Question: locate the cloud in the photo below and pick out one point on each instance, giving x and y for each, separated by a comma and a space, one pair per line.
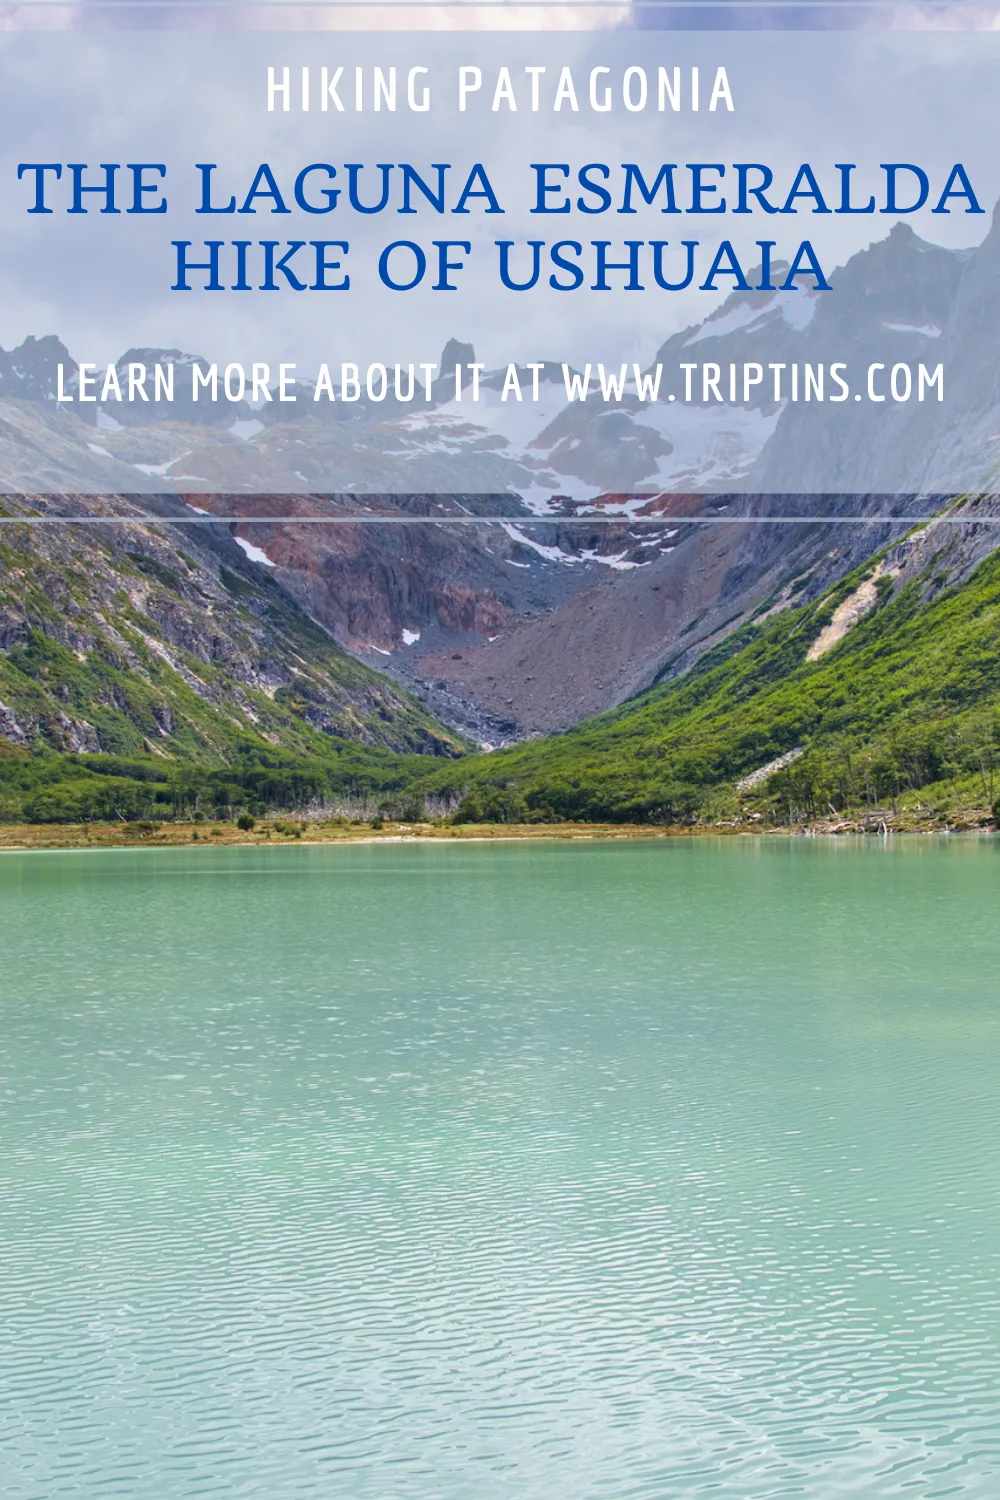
953, 16
104, 284
424, 15
30, 17
388, 16
384, 16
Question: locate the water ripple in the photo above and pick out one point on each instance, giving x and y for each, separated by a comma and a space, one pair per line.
615, 1171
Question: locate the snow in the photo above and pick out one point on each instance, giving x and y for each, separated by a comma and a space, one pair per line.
159, 470
410, 637
551, 554
797, 308
555, 554
379, 650
711, 445
197, 508
654, 541
108, 424
619, 562
255, 554
96, 448
629, 508
740, 316
540, 499
928, 330
519, 422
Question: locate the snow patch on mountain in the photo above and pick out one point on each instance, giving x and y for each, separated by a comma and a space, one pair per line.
255, 554
928, 330
797, 308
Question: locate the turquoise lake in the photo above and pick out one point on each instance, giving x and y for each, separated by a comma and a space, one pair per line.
467, 1172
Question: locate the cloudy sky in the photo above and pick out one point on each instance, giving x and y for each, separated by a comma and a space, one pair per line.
921, 92
503, 15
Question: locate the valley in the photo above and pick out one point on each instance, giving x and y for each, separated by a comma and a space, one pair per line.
547, 644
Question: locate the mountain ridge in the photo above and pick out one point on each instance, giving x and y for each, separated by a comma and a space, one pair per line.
124, 638
554, 608
878, 700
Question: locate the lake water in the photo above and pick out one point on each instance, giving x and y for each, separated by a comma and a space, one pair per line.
529, 1170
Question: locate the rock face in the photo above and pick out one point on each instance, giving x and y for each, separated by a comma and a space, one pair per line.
961, 433
30, 371
395, 594
893, 303
577, 592
124, 638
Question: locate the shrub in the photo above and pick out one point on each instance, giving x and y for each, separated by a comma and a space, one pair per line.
245, 823
492, 805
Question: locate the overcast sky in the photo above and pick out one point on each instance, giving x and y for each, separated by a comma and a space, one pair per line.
102, 283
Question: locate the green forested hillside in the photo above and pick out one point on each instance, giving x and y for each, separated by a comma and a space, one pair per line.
909, 699
904, 708
45, 786
149, 672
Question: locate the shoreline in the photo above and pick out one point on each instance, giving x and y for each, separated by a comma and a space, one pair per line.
54, 837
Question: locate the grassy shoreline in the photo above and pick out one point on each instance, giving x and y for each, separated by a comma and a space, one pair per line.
56, 836
204, 835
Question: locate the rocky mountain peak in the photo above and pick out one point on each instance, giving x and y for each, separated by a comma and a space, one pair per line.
30, 372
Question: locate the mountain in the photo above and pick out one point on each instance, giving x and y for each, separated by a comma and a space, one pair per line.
127, 639
876, 704
621, 557
963, 450
884, 690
